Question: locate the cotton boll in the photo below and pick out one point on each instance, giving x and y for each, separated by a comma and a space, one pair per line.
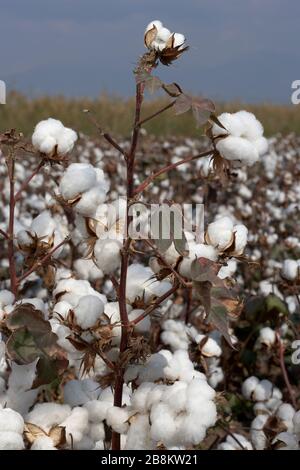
97, 410
11, 441
229, 270
90, 200
138, 436
237, 442
240, 239
179, 40
258, 437
220, 233
61, 309
252, 128
290, 269
249, 386
162, 419
97, 432
11, 421
46, 415
88, 311
290, 440
143, 326
6, 298
107, 255
117, 418
158, 24
43, 443
296, 422
140, 283
78, 178
87, 270
286, 413
232, 124
210, 348
76, 425
261, 145
174, 334
263, 391
238, 149
267, 336
65, 141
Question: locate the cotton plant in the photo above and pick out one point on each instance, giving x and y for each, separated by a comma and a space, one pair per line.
133, 333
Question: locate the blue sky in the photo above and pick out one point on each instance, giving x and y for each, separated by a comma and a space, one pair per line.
244, 49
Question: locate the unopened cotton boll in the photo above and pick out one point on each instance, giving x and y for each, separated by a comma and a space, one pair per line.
88, 311
290, 269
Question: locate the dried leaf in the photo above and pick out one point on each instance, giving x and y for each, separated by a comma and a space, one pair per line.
32, 432
58, 435
183, 104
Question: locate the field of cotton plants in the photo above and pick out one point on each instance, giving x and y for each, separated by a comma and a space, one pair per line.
126, 321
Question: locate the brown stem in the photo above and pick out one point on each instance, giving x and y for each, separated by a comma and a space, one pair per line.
167, 168
284, 371
106, 135
155, 304
10, 232
130, 160
4, 234
40, 262
18, 195
157, 113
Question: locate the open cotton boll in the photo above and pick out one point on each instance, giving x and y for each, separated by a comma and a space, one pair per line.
6, 298
232, 124
238, 149
252, 128
152, 370
140, 283
76, 425
107, 254
267, 336
138, 436
78, 178
11, 441
290, 269
240, 238
248, 387
158, 24
97, 410
11, 421
179, 40
51, 134
235, 442
46, 415
174, 334
229, 270
263, 391
196, 251
258, 437
87, 270
88, 311
43, 443
180, 367
296, 422
90, 200
71, 290
290, 440
286, 413
220, 233
117, 418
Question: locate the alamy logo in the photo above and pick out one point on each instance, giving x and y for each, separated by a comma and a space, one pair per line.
2, 92
295, 98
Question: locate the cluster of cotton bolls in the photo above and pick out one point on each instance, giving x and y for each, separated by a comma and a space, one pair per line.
176, 414
163, 38
52, 137
241, 139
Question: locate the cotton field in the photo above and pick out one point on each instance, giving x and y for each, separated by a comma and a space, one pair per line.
109, 341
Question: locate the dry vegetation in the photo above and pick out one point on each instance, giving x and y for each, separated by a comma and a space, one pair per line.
23, 113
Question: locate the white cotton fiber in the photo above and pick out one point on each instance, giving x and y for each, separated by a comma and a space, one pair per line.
88, 311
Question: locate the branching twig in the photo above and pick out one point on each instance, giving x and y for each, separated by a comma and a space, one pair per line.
167, 168
106, 135
40, 262
18, 195
157, 113
284, 371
